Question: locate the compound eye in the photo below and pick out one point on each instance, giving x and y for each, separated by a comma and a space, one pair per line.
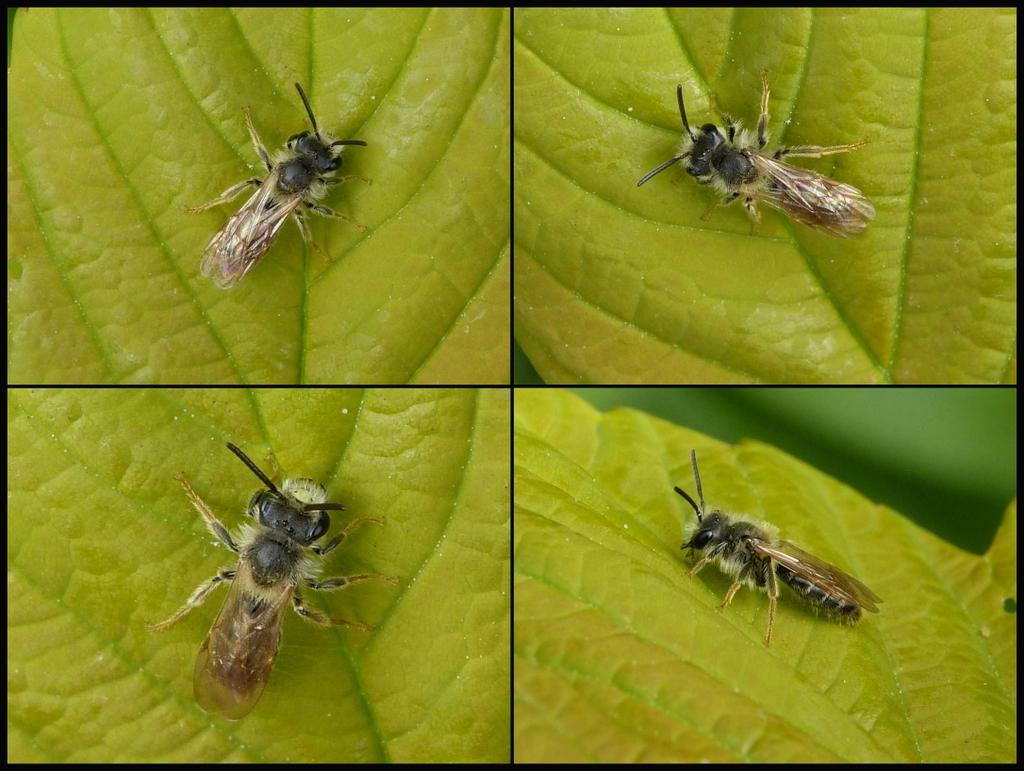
709, 128
304, 143
703, 538
318, 528
327, 162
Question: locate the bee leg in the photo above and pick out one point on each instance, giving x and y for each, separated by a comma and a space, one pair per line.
762, 121
226, 196
724, 202
300, 220
752, 209
340, 581
339, 180
256, 141
731, 593
319, 618
773, 593
700, 564
324, 550
194, 601
814, 151
275, 470
323, 211
208, 516
730, 126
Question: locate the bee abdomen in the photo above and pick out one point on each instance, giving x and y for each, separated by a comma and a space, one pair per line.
818, 596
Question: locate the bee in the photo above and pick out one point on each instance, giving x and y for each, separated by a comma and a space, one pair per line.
297, 177
737, 168
753, 555
235, 659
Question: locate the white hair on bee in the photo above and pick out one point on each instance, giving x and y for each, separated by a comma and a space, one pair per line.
736, 166
298, 176
751, 553
278, 558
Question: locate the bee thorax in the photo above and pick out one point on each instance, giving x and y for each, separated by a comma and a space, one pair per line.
271, 559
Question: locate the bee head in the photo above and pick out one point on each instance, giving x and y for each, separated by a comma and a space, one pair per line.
707, 140
697, 148
707, 531
283, 511
312, 150
299, 509
709, 526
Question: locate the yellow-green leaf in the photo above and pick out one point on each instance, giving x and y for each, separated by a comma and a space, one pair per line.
621, 656
121, 118
102, 541
619, 284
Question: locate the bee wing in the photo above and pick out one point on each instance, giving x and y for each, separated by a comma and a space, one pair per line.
246, 237
824, 574
235, 659
812, 199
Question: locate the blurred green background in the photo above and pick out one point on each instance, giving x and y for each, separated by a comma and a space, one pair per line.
944, 457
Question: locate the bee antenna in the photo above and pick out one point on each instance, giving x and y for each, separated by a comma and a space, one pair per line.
661, 168
359, 142
252, 466
323, 507
682, 112
696, 479
689, 133
689, 500
309, 110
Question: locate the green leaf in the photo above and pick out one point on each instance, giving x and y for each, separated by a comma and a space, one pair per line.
931, 454
616, 284
121, 118
101, 541
620, 655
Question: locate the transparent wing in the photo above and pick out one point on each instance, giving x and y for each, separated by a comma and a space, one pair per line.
811, 199
823, 574
246, 237
235, 659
